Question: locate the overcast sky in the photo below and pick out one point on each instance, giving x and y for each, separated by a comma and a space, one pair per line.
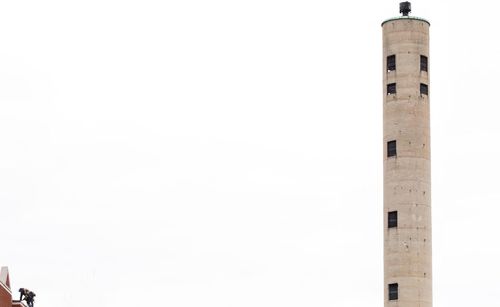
229, 153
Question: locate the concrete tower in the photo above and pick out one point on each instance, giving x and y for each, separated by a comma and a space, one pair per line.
407, 162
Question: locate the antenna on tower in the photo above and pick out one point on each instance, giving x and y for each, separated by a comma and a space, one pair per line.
405, 8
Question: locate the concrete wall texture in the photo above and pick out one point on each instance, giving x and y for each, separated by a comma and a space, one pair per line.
407, 174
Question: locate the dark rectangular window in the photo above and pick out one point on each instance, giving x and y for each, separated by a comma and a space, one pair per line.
393, 292
392, 219
391, 149
424, 89
391, 88
391, 62
423, 63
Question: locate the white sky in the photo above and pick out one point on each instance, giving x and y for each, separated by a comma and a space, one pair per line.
229, 153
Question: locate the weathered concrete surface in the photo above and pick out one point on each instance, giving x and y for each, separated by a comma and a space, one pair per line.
407, 177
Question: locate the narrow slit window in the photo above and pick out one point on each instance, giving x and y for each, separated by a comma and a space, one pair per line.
393, 292
423, 63
392, 219
424, 89
391, 149
391, 62
391, 88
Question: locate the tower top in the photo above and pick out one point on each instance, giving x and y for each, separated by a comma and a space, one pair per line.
405, 8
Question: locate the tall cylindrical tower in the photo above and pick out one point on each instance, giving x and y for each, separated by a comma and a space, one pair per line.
407, 162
